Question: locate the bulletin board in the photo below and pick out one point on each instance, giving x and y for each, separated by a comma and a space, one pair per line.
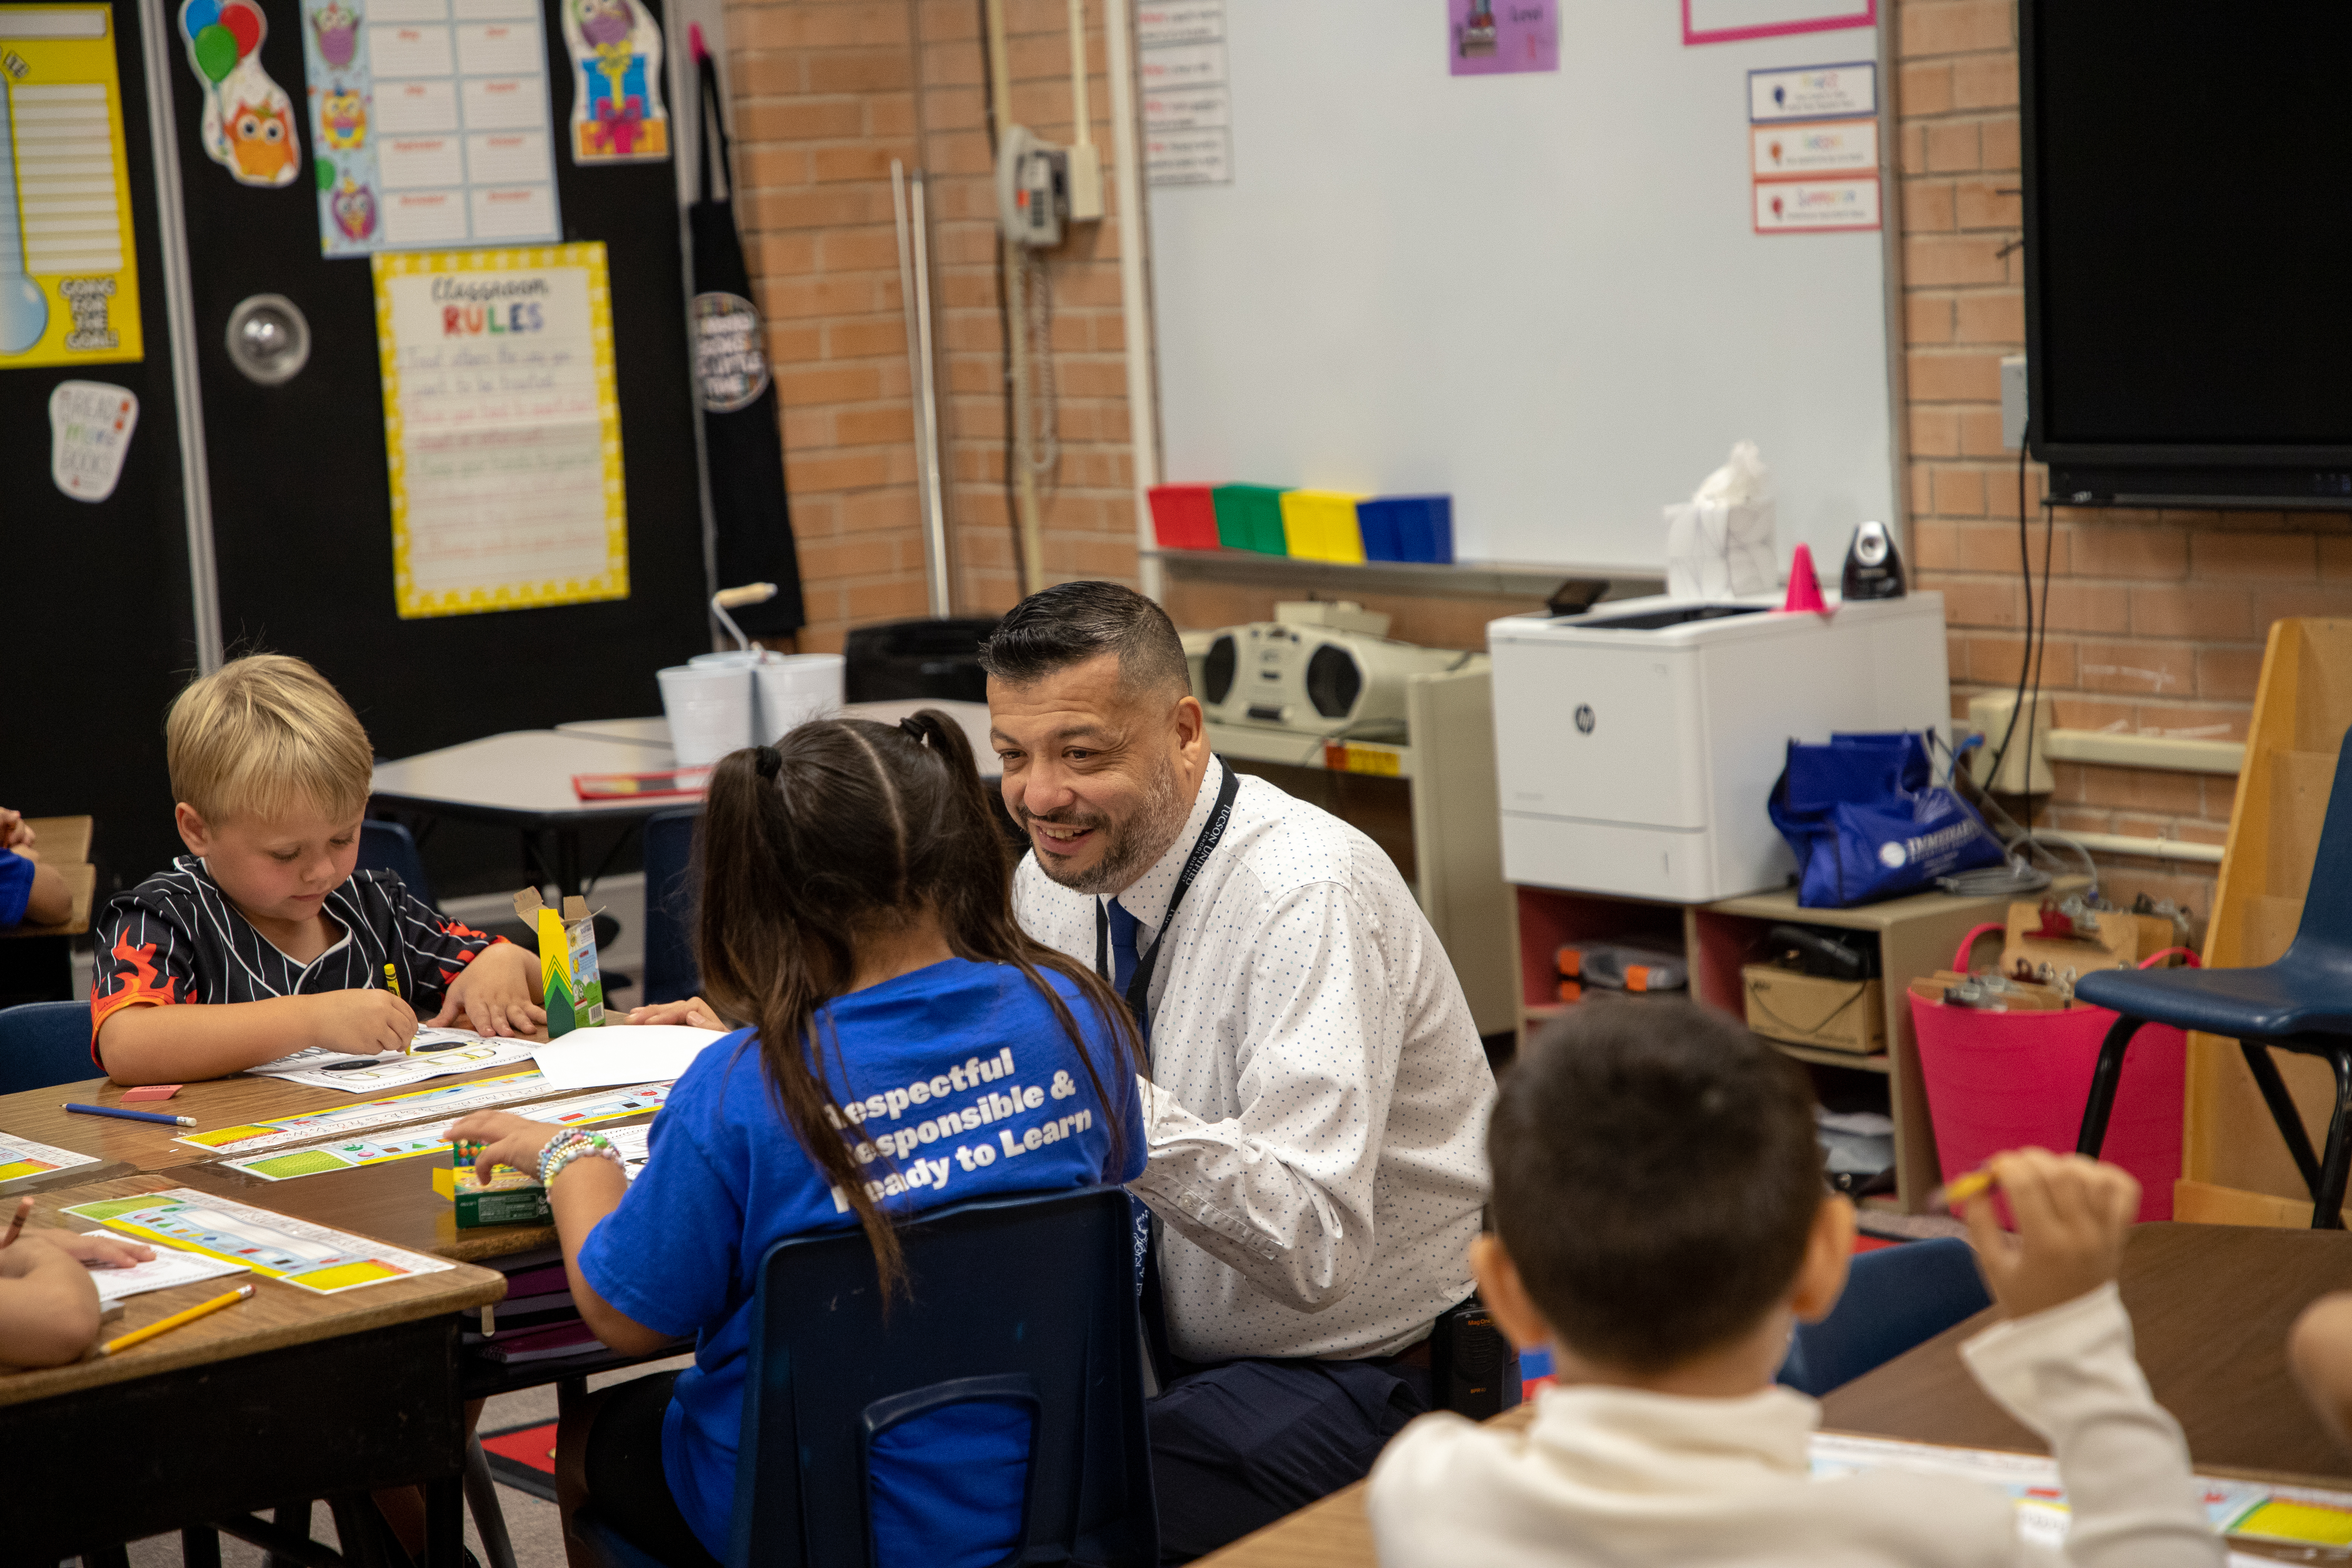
301, 485
100, 565
1544, 291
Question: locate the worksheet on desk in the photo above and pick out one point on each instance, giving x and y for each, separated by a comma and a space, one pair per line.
169, 1266
2243, 1510
271, 1245
433, 1137
21, 1157
443, 1052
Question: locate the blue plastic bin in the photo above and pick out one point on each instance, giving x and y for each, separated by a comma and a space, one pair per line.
1407, 528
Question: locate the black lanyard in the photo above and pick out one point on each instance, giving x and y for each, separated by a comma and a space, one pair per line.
1138, 985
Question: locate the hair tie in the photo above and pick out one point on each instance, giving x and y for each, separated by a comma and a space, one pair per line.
917, 729
769, 760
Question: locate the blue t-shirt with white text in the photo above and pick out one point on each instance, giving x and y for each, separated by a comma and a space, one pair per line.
965, 1086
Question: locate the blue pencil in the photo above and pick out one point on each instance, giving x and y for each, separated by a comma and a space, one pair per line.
132, 1115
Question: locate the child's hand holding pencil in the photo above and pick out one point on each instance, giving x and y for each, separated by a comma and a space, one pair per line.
2071, 1213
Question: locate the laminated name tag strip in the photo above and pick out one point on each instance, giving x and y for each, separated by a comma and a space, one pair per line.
433, 1138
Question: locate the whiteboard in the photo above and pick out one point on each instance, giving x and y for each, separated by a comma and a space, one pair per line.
1540, 292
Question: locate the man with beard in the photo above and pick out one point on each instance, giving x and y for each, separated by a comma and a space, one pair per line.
1319, 1101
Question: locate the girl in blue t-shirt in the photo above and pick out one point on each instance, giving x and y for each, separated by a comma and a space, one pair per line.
908, 1046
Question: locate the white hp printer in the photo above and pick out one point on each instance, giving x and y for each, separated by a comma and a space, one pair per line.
1636, 744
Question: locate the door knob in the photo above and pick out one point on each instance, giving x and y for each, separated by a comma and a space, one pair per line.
269, 340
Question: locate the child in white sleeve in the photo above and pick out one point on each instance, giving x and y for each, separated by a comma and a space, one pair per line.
1663, 1224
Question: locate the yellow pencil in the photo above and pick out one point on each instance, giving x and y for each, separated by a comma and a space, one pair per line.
1963, 1188
392, 980
204, 1310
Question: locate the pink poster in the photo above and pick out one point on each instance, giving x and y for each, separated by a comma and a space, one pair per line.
1490, 38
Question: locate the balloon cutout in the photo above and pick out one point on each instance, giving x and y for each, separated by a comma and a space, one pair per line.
215, 52
249, 121
244, 24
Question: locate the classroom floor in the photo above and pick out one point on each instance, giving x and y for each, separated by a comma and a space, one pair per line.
530, 1523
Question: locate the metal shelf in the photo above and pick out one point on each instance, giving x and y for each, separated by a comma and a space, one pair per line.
1502, 579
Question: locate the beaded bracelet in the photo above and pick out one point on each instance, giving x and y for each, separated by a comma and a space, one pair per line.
566, 1147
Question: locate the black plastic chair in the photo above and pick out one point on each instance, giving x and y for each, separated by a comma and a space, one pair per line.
1896, 1298
389, 846
670, 893
2302, 1002
1021, 1302
43, 1043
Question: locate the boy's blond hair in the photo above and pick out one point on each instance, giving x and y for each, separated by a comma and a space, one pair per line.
264, 735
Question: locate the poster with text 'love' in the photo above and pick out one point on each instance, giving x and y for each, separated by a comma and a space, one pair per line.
68, 281
502, 432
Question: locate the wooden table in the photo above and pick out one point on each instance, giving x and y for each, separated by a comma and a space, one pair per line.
2209, 1305
288, 1395
394, 1202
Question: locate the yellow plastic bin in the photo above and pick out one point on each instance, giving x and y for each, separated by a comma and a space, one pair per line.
1320, 525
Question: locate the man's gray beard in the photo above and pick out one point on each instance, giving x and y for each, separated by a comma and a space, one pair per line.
1135, 844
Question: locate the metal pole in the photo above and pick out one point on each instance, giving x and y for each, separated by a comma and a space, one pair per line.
1135, 289
180, 313
914, 295
938, 557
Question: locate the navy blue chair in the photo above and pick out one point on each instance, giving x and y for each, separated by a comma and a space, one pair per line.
43, 1043
389, 846
1896, 1298
671, 889
2302, 1004
1026, 1306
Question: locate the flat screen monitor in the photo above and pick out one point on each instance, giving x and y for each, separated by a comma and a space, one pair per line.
2188, 213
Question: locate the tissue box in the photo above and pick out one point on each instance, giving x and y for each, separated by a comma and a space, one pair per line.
1183, 517
1719, 551
1320, 525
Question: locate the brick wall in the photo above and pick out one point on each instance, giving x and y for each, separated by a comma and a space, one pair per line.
2155, 619
825, 94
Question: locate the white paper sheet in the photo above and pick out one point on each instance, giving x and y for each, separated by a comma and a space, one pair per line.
21, 1157
387, 1072
169, 1266
621, 1054
634, 1143
311, 1256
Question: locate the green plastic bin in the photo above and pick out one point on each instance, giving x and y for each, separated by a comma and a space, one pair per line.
1249, 517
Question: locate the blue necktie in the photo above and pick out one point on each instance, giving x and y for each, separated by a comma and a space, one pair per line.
1123, 960
1123, 957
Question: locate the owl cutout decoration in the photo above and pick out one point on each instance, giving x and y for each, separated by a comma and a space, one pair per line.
247, 125
617, 101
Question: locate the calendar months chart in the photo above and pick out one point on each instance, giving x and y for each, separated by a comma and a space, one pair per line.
433, 123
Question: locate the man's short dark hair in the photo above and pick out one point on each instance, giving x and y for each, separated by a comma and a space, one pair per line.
1656, 1177
1071, 623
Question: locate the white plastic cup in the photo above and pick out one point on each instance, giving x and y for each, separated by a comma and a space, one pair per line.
796, 688
709, 708
731, 657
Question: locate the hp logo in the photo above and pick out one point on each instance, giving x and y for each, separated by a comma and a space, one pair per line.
1584, 717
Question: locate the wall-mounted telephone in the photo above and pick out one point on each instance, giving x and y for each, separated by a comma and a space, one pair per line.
1032, 189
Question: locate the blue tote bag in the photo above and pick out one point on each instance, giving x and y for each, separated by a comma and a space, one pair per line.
1867, 822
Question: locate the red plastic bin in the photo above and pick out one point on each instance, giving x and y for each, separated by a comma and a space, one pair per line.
1184, 517
2014, 1080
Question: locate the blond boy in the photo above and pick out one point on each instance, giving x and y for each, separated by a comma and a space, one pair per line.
263, 921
